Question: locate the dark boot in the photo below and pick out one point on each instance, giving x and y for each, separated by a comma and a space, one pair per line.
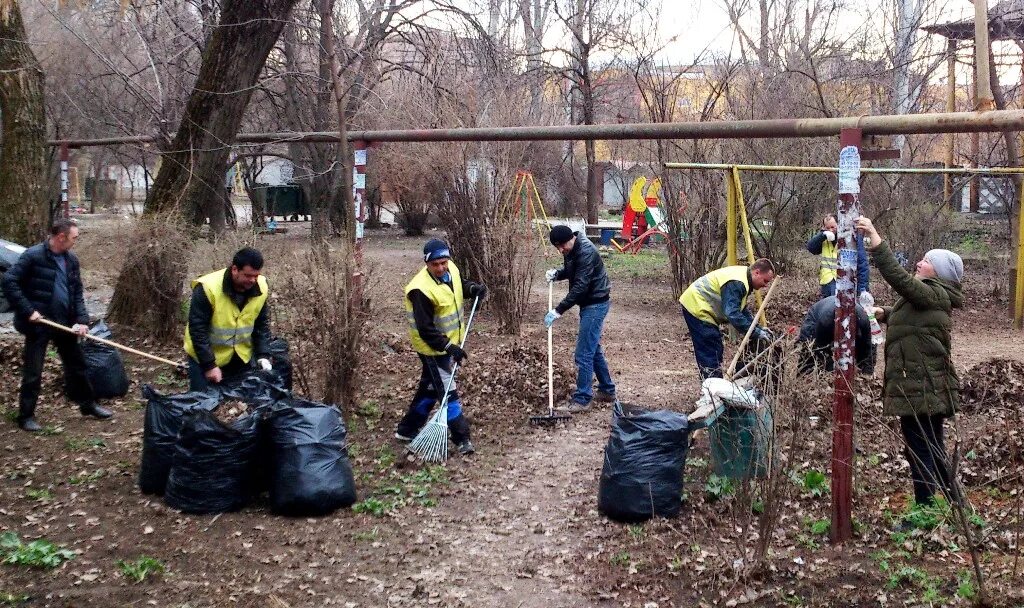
458, 429
410, 425
95, 410
30, 425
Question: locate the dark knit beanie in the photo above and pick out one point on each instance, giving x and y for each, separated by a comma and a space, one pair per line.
560, 235
435, 249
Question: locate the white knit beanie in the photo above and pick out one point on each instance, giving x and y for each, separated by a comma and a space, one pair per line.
948, 265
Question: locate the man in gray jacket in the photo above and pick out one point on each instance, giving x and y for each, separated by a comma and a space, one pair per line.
589, 289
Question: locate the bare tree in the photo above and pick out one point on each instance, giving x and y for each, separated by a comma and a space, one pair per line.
23, 159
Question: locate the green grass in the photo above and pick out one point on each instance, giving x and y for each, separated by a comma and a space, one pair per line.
399, 491
87, 477
643, 265
622, 558
76, 444
39, 494
51, 430
36, 554
171, 379
719, 487
367, 535
814, 483
636, 532
8, 598
141, 568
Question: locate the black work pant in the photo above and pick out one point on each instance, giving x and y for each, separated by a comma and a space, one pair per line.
76, 382
435, 375
926, 452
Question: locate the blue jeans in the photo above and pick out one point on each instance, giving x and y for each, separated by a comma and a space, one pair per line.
707, 345
589, 356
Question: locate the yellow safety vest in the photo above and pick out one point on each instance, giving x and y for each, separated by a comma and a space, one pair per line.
829, 262
703, 298
447, 307
230, 328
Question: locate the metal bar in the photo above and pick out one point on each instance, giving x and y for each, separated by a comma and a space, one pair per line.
359, 153
909, 124
947, 181
802, 169
65, 158
1018, 299
731, 251
748, 242
844, 336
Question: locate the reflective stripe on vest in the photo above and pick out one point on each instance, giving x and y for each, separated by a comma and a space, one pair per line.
230, 328
829, 263
703, 298
448, 307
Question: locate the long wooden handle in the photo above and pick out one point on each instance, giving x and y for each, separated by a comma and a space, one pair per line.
551, 366
127, 349
750, 330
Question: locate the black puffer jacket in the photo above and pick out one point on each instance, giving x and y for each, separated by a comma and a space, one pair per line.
28, 286
584, 269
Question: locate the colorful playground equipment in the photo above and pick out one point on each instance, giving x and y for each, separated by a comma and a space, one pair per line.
524, 201
641, 216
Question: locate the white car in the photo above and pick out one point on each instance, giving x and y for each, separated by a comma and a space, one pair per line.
9, 254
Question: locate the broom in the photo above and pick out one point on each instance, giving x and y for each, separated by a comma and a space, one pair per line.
431, 443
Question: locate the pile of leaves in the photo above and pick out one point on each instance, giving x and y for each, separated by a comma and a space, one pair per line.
230, 411
996, 383
511, 383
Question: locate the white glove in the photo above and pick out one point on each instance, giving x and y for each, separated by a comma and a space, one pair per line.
551, 274
264, 364
829, 235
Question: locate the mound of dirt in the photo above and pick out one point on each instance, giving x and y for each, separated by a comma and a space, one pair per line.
996, 383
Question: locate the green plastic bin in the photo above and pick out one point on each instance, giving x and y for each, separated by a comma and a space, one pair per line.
742, 441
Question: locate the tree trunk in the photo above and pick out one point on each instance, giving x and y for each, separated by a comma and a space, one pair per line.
24, 213
192, 174
190, 182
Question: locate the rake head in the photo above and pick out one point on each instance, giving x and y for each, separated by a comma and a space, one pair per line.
431, 444
550, 419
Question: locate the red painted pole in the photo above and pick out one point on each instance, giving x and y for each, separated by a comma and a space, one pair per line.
845, 335
65, 157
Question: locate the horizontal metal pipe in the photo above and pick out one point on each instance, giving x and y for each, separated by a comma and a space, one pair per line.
908, 124
799, 169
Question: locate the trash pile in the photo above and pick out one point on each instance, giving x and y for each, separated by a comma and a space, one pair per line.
215, 451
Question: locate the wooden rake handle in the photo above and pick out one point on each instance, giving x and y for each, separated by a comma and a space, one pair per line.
750, 330
127, 349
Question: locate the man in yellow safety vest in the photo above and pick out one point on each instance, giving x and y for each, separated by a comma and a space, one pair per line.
228, 322
717, 298
824, 244
434, 309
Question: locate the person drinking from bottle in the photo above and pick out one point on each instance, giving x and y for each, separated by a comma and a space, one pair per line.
434, 310
590, 289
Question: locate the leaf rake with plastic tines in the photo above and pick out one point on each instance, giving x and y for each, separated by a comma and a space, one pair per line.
431, 444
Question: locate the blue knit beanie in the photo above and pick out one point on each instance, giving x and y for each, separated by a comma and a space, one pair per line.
436, 249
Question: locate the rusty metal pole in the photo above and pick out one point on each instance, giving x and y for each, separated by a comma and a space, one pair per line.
947, 180
845, 334
359, 152
65, 157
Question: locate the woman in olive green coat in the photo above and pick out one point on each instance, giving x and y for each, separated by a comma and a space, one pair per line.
920, 384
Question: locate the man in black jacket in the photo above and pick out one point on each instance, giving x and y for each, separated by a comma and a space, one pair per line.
818, 334
46, 282
589, 289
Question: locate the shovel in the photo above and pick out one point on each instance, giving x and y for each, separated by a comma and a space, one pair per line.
175, 364
551, 417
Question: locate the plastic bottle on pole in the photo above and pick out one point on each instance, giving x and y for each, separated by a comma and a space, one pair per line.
867, 302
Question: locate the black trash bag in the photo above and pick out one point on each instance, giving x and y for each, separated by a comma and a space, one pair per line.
256, 388
281, 361
164, 417
212, 463
311, 471
643, 465
103, 365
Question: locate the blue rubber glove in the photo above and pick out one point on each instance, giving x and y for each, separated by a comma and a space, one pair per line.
549, 319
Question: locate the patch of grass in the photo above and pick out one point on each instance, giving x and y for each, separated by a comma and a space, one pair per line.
11, 416
757, 506
972, 244
676, 565
814, 482
622, 558
965, 586
696, 463
385, 457
51, 430
719, 487
791, 598
171, 379
76, 444
40, 494
644, 265
8, 598
87, 477
819, 527
366, 535
141, 568
413, 489
636, 532
36, 554
369, 409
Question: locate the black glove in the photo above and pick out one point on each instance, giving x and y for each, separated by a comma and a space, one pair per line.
478, 290
456, 352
